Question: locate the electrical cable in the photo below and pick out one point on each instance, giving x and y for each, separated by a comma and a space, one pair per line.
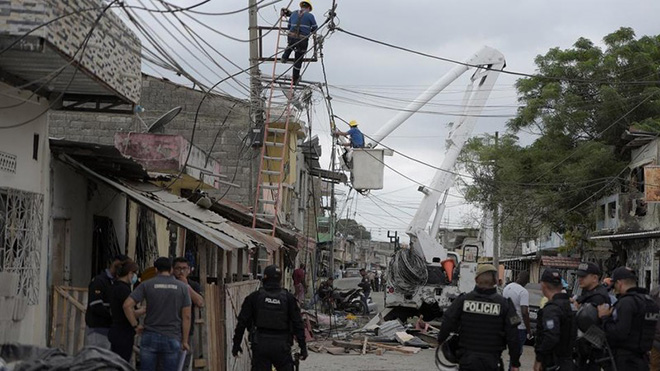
508, 72
82, 48
407, 272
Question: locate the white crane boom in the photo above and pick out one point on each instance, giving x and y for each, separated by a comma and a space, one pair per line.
436, 285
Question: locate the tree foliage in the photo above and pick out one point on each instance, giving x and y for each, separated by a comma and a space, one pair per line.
353, 228
578, 106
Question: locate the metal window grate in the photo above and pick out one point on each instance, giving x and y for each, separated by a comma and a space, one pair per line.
21, 220
7, 162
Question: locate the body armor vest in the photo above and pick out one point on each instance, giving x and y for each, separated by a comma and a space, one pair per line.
272, 310
482, 326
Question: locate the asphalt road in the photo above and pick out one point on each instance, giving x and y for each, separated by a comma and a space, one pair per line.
424, 360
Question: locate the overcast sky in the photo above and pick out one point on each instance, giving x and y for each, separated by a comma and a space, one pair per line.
369, 81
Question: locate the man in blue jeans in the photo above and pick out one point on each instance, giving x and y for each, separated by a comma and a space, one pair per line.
167, 324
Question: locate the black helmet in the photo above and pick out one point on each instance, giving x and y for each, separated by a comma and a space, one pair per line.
445, 354
586, 317
273, 272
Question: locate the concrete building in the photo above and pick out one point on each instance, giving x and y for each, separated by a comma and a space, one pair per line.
628, 221
53, 67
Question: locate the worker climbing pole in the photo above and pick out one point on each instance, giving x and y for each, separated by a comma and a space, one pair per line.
279, 110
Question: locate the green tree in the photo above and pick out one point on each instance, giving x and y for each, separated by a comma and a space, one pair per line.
353, 228
578, 106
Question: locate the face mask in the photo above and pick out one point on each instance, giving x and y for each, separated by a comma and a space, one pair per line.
134, 279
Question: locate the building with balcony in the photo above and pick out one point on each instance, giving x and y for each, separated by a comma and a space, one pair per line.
55, 56
628, 221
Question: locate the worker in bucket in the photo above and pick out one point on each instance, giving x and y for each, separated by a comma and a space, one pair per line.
301, 25
356, 136
273, 318
356, 141
486, 322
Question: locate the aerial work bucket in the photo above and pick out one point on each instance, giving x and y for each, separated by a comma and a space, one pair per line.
448, 265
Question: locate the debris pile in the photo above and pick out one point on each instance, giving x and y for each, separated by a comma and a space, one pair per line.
343, 335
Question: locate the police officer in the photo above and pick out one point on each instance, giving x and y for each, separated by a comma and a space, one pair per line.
97, 317
271, 314
555, 328
486, 323
593, 293
630, 324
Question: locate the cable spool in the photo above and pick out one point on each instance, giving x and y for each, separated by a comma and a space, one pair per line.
407, 272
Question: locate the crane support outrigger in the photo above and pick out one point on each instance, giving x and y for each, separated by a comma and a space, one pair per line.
446, 276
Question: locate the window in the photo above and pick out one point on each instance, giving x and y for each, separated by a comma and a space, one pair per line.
637, 179
611, 210
20, 239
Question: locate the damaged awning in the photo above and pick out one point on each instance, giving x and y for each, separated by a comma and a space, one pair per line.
203, 222
269, 242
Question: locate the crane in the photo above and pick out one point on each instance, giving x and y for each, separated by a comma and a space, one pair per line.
443, 276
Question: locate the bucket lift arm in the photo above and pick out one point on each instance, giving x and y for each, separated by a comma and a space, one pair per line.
489, 62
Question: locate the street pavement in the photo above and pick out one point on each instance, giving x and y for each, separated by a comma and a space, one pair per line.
422, 361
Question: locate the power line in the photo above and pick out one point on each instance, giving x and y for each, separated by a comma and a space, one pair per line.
81, 49
558, 78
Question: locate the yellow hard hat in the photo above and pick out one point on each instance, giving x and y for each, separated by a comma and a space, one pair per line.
308, 3
353, 123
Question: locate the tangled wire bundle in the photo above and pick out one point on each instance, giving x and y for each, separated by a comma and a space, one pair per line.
407, 272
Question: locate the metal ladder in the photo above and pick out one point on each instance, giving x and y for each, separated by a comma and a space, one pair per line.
275, 143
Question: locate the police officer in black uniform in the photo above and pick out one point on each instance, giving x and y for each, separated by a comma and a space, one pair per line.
593, 293
97, 317
486, 323
555, 327
630, 324
272, 316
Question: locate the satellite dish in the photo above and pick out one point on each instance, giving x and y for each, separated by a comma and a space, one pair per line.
164, 119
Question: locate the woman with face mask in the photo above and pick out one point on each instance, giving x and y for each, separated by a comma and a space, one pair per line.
122, 334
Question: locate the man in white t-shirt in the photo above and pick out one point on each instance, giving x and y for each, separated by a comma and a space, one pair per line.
519, 295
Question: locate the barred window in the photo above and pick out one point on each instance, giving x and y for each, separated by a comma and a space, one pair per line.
21, 222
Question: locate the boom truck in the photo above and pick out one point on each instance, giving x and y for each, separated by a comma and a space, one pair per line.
427, 277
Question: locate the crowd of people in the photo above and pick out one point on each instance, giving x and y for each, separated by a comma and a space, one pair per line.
164, 296
588, 331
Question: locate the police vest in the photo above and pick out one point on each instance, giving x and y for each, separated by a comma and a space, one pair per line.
272, 310
647, 317
482, 323
567, 329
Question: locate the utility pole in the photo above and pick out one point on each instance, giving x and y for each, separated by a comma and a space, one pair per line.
496, 213
256, 103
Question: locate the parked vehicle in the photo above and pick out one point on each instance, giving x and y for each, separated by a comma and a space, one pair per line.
349, 301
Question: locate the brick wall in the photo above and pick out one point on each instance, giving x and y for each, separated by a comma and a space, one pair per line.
158, 97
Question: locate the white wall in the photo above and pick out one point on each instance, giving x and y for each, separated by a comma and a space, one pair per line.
78, 200
31, 175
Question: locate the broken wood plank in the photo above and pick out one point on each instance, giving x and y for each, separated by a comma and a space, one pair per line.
336, 351
349, 344
397, 348
364, 346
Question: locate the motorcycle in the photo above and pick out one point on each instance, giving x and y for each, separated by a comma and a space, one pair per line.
347, 300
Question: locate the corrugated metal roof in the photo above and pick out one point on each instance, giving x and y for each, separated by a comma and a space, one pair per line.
203, 222
269, 242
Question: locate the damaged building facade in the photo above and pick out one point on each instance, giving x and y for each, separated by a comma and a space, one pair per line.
91, 166
628, 222
39, 72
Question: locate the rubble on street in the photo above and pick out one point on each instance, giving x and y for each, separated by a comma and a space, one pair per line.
340, 334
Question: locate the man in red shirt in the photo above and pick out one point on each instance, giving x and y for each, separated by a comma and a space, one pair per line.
299, 284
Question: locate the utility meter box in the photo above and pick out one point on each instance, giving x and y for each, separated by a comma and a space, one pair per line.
368, 167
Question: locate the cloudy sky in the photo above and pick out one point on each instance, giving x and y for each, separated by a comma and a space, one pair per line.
369, 82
